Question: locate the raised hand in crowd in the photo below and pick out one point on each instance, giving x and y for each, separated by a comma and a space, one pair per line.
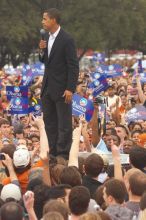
73, 154
8, 162
28, 199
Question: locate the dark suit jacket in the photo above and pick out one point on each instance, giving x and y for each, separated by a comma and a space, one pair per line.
61, 68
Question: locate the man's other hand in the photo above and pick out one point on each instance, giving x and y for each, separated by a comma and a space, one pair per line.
68, 96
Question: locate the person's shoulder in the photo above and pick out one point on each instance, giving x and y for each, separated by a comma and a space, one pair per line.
65, 34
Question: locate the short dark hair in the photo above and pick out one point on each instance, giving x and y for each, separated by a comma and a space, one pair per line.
8, 149
4, 121
70, 175
137, 182
136, 131
41, 195
57, 206
79, 199
54, 13
93, 165
10, 211
137, 157
58, 191
116, 189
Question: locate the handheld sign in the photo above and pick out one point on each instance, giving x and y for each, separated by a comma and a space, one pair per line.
38, 69
99, 84
27, 75
82, 106
36, 108
19, 106
16, 91
135, 114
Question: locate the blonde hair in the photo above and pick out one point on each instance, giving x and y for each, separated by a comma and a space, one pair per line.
142, 215
90, 216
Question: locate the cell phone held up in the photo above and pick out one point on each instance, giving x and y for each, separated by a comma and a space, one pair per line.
2, 156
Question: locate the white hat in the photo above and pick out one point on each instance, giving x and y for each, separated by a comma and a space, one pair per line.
21, 157
10, 191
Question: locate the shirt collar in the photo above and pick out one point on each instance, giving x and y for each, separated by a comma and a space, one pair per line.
54, 35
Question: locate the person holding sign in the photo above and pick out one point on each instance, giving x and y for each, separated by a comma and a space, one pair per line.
58, 53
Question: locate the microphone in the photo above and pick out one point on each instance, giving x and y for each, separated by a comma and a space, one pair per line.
43, 33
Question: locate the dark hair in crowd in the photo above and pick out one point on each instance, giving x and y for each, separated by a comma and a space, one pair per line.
136, 131
41, 196
137, 182
93, 165
58, 191
4, 121
116, 189
79, 199
11, 211
138, 157
71, 176
54, 13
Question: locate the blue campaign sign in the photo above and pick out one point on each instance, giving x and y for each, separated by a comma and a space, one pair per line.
143, 77
16, 91
36, 108
99, 57
38, 69
111, 71
82, 106
140, 69
114, 70
102, 68
27, 75
19, 106
135, 114
99, 84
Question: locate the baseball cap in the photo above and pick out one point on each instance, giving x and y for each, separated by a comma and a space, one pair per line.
21, 157
10, 191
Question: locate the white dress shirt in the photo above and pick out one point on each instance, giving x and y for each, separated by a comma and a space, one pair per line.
51, 40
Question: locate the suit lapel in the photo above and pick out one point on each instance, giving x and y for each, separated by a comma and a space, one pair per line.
56, 42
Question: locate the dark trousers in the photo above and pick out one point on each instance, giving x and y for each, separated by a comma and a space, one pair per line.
58, 124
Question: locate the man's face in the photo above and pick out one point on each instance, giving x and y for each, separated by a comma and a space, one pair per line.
5, 129
120, 132
135, 138
47, 22
111, 91
34, 130
123, 100
109, 141
127, 146
24, 119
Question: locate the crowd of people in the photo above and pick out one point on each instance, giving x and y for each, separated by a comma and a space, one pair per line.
36, 185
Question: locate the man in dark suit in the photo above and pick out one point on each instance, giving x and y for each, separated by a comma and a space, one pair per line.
59, 83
